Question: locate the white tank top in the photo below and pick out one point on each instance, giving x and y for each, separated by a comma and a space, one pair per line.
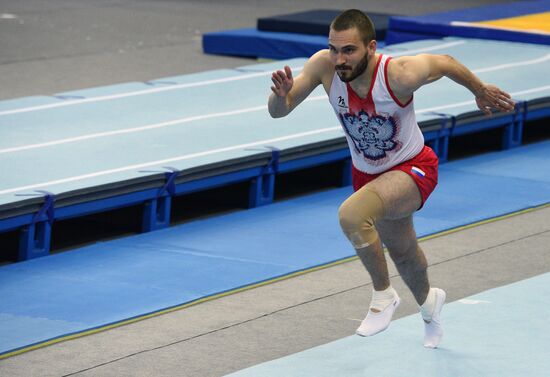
381, 131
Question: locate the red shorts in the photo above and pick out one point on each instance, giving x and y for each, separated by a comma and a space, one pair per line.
422, 168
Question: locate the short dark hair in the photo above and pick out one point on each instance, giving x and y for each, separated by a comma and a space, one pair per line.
354, 18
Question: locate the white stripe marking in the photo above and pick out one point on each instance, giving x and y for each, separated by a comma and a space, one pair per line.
131, 130
459, 104
217, 115
166, 124
144, 128
137, 93
468, 301
173, 159
244, 77
190, 85
510, 65
426, 49
206, 153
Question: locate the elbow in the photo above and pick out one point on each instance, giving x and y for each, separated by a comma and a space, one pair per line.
447, 62
277, 109
443, 65
272, 113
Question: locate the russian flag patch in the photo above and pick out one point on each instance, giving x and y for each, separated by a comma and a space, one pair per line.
418, 171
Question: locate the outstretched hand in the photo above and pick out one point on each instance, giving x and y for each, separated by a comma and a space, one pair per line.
491, 98
282, 81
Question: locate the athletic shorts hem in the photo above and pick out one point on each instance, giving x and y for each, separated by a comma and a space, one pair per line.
422, 169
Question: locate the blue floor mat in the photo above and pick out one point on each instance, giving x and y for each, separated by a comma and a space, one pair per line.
477, 342
113, 281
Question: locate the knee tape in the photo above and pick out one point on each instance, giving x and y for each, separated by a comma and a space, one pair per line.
357, 215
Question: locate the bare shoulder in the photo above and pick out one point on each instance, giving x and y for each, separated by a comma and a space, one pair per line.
402, 65
421, 64
320, 67
406, 72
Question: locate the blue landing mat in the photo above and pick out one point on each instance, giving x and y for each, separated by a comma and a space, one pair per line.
485, 335
262, 44
316, 22
52, 297
466, 23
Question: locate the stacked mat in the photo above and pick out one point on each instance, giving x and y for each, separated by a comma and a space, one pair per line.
283, 37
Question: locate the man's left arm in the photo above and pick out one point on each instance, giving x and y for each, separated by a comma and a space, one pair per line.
408, 73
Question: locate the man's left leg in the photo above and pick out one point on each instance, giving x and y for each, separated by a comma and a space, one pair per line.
400, 238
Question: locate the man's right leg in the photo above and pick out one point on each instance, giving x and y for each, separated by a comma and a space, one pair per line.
357, 216
392, 195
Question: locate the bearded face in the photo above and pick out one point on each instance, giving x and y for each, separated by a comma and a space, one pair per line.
348, 73
349, 53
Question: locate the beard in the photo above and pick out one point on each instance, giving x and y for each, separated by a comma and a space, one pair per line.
342, 70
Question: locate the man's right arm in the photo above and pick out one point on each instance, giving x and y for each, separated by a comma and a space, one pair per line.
289, 92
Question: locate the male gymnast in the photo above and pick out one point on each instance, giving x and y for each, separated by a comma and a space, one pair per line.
393, 172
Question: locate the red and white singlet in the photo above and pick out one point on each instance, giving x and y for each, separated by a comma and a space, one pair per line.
381, 131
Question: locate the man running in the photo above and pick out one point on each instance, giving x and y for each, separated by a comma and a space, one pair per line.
393, 171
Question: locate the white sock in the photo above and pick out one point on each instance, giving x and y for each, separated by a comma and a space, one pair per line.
430, 310
386, 302
428, 306
381, 299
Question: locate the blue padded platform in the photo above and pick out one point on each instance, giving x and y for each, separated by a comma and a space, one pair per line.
316, 22
113, 281
262, 44
282, 37
485, 335
404, 29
